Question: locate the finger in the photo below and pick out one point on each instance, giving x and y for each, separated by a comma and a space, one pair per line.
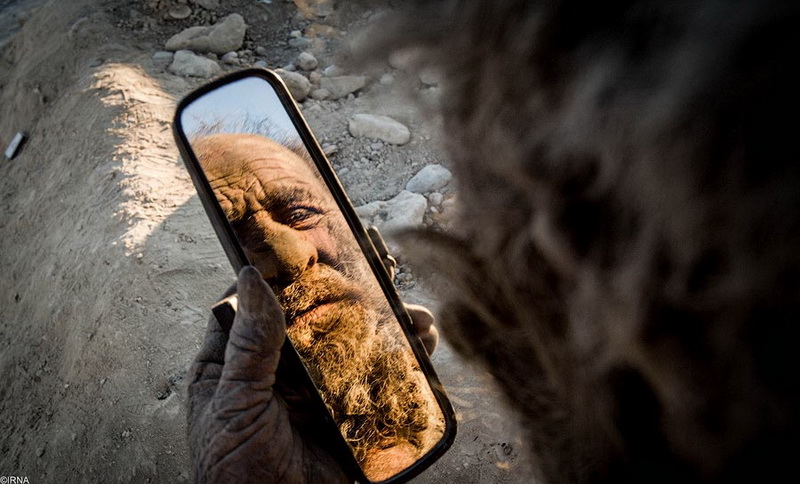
420, 316
206, 368
258, 332
423, 321
430, 339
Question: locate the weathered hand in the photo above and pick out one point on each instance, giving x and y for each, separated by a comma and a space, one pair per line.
239, 431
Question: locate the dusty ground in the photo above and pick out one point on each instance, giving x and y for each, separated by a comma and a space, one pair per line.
108, 262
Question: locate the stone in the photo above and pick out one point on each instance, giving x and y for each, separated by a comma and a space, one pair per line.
428, 179
220, 38
386, 79
436, 198
187, 64
207, 4
262, 51
405, 211
314, 77
180, 12
332, 71
162, 59
379, 127
320, 94
306, 61
261, 63
299, 42
311, 8
341, 86
230, 58
430, 76
297, 83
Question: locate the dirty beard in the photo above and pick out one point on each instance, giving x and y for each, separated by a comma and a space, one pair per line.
357, 356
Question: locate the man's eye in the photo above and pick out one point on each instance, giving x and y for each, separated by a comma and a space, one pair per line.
302, 217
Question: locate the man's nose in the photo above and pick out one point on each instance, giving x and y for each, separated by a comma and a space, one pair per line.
284, 254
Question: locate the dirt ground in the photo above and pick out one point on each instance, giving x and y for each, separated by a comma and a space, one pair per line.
109, 265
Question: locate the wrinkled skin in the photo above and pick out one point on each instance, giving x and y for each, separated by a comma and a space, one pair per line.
239, 429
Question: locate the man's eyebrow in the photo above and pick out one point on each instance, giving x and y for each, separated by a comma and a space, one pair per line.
284, 198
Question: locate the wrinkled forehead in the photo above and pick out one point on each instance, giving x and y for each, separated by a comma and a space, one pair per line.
248, 172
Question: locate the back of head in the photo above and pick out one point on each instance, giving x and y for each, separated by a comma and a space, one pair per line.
628, 267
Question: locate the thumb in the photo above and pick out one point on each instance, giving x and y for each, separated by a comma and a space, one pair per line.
256, 337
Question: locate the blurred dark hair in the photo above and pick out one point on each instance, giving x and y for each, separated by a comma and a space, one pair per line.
628, 264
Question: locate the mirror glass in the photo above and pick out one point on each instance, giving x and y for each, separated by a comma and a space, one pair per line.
337, 316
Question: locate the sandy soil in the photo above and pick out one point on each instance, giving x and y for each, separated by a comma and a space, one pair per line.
108, 262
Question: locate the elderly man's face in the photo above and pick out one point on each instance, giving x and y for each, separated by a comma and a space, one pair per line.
287, 222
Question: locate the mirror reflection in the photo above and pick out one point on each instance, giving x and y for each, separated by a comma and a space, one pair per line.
337, 316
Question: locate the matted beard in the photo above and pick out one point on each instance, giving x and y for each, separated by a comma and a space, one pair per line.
356, 353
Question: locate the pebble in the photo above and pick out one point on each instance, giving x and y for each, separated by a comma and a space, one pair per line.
386, 79
332, 71
306, 61
320, 94
224, 36
428, 179
376, 146
436, 198
341, 86
262, 51
230, 58
379, 127
295, 34
430, 76
297, 83
180, 12
329, 149
314, 77
299, 42
187, 64
207, 4
406, 210
289, 67
261, 63
162, 59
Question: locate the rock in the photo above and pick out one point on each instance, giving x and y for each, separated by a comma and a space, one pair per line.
320, 94
405, 211
186, 63
428, 179
306, 61
230, 58
261, 63
436, 198
332, 71
299, 42
297, 83
403, 59
295, 34
180, 12
379, 127
162, 59
341, 86
207, 4
386, 79
311, 8
222, 37
376, 146
262, 51
430, 76
314, 77
329, 149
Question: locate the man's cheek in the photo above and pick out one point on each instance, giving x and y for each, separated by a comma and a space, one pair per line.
327, 248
